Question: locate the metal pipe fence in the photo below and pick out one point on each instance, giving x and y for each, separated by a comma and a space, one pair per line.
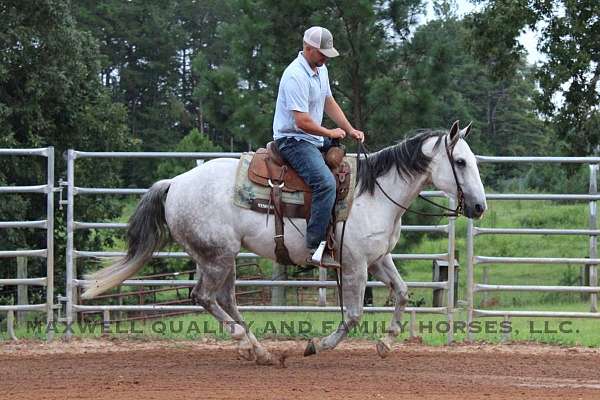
47, 224
472, 288
592, 259
72, 254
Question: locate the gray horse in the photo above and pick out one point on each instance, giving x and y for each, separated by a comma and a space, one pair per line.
196, 209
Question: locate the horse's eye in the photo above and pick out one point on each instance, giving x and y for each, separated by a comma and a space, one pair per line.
461, 162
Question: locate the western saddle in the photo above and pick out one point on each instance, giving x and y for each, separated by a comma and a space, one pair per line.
268, 169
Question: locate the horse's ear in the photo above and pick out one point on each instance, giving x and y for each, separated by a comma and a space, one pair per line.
454, 134
465, 131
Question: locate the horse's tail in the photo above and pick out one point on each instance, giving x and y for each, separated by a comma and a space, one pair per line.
147, 232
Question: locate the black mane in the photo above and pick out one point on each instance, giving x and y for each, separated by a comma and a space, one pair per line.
406, 156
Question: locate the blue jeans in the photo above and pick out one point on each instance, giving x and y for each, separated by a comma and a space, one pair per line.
307, 160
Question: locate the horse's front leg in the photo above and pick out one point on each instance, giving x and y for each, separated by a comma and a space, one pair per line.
385, 270
354, 279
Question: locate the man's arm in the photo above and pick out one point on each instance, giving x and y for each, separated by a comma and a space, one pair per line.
334, 112
306, 124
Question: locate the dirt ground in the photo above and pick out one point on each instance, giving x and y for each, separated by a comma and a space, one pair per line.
127, 369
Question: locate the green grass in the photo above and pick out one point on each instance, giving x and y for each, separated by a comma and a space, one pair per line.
431, 328
513, 214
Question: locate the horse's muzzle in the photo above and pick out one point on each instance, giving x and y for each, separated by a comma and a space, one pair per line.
474, 210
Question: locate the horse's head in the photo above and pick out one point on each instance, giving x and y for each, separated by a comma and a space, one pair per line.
454, 170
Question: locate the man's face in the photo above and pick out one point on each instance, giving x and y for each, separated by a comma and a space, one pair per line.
315, 57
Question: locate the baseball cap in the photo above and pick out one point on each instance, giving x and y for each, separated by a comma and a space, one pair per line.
321, 39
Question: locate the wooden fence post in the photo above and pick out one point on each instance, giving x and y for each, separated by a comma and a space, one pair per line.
278, 292
22, 294
485, 281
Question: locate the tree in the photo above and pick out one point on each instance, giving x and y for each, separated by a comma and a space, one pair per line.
192, 142
148, 48
568, 78
570, 33
50, 94
139, 41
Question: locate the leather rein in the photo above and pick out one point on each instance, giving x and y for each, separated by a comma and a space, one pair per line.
362, 149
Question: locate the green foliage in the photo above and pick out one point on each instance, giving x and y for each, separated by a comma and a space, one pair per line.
445, 82
192, 142
495, 33
568, 77
557, 179
50, 96
147, 49
570, 40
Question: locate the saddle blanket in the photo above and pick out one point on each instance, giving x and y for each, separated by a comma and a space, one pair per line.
245, 191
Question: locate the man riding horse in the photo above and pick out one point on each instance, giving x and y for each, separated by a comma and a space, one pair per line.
304, 94
197, 209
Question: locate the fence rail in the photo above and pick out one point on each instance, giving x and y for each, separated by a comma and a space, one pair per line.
591, 261
267, 283
48, 224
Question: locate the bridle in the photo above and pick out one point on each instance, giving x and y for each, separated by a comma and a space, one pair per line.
460, 196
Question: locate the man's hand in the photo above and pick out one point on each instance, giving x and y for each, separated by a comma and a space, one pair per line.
337, 133
358, 135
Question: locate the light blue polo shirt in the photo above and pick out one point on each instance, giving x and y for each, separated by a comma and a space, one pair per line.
301, 89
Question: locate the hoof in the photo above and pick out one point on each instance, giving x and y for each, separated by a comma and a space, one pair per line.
264, 360
247, 353
238, 332
383, 349
263, 357
282, 358
246, 350
311, 348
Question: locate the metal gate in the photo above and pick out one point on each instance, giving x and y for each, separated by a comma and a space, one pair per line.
592, 233
47, 224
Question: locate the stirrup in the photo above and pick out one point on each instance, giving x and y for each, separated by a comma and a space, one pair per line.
317, 256
321, 259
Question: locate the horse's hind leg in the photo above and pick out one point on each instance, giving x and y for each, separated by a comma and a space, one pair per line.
213, 274
385, 270
248, 347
